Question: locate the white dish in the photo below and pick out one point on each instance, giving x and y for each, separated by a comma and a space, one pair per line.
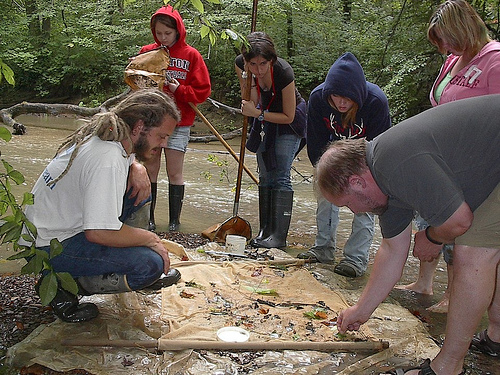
233, 334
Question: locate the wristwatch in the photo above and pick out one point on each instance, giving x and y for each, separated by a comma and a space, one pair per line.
261, 116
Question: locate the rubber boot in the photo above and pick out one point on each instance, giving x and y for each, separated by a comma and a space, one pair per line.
66, 307
103, 284
264, 215
175, 197
281, 203
154, 193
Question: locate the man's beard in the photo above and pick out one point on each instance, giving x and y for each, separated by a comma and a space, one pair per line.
141, 147
374, 208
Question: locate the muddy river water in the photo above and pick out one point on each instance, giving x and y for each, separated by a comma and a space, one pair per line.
210, 174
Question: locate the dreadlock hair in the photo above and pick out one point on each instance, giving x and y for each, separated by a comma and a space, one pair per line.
148, 105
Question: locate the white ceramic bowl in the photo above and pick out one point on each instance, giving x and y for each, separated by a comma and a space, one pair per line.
233, 334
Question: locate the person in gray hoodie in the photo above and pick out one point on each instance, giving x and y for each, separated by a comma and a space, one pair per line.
345, 106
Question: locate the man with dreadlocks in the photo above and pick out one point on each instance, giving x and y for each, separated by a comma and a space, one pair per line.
81, 200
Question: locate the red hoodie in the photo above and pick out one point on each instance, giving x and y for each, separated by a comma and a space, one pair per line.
186, 66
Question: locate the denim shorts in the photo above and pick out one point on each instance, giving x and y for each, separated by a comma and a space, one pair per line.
179, 139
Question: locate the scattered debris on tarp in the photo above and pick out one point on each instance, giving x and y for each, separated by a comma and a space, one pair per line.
275, 300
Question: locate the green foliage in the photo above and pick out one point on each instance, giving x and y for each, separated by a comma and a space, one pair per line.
78, 50
7, 73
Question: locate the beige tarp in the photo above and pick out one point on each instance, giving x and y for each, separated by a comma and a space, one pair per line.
271, 302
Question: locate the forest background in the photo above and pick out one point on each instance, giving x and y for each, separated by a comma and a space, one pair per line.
75, 51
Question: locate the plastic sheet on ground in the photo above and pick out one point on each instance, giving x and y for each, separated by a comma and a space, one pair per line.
272, 302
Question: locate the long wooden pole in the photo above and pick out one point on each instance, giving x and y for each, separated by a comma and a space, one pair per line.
174, 345
223, 141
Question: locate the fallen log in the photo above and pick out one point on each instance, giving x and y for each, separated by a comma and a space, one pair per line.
7, 115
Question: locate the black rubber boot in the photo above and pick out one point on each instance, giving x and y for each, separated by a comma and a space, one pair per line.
281, 203
154, 193
264, 215
67, 308
175, 197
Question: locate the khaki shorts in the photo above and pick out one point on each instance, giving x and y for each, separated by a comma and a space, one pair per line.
485, 229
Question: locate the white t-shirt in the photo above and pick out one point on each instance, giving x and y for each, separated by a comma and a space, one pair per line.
89, 196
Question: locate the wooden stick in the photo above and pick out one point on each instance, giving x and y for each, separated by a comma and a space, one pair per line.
174, 345
223, 141
278, 262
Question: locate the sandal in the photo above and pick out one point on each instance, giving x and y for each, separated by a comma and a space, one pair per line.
425, 369
483, 343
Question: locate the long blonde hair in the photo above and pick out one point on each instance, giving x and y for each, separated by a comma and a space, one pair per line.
149, 106
461, 26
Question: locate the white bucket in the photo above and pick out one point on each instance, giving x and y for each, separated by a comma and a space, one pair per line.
235, 244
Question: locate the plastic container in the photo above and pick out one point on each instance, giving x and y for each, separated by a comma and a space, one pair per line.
235, 244
233, 334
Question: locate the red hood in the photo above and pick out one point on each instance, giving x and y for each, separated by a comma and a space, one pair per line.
167, 10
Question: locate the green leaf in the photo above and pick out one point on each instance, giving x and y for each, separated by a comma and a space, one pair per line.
56, 248
27, 237
31, 228
34, 265
204, 31
67, 282
13, 234
263, 292
28, 199
7, 166
198, 5
5, 134
22, 254
48, 288
7, 72
16, 176
7, 226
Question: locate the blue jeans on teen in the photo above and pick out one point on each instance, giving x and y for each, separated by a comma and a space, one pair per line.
81, 257
278, 178
357, 247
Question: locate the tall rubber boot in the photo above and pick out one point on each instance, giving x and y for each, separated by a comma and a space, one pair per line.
154, 193
103, 284
264, 215
281, 203
66, 307
175, 198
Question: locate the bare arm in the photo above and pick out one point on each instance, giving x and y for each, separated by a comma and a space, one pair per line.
138, 181
456, 225
387, 270
285, 117
129, 236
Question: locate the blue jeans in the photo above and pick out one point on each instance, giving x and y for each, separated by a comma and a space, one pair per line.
357, 247
278, 178
81, 257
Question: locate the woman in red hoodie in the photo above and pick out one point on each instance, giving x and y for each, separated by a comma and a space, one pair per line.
189, 82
